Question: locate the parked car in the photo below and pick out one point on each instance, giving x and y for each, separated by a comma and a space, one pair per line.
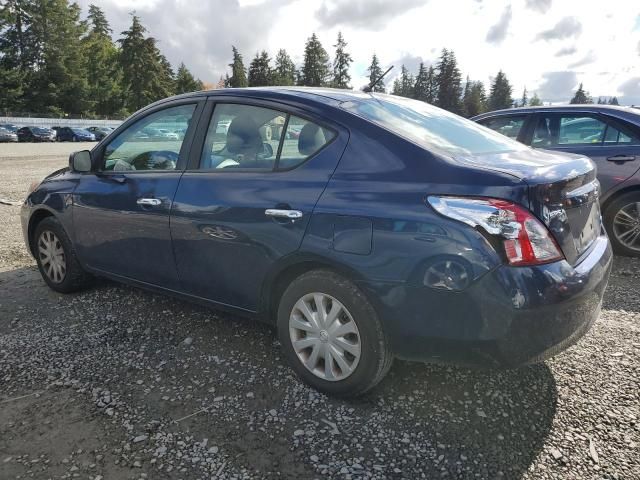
73, 134
99, 132
7, 135
9, 126
388, 228
36, 134
609, 135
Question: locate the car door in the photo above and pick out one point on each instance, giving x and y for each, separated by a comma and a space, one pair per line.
121, 210
612, 145
247, 200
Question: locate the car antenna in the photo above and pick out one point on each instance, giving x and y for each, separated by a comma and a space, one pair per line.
369, 87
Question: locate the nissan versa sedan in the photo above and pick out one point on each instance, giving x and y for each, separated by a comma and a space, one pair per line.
609, 135
383, 228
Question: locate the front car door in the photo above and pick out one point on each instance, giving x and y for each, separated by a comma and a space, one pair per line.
613, 146
248, 197
121, 210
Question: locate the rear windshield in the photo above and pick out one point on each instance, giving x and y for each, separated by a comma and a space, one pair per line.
431, 127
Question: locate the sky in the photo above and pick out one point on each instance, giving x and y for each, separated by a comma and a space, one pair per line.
547, 46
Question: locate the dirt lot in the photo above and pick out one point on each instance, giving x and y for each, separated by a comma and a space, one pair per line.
119, 383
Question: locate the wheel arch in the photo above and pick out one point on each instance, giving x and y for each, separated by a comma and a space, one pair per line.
36, 217
618, 193
282, 275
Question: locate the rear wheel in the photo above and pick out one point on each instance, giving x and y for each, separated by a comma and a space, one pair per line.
622, 221
331, 334
57, 259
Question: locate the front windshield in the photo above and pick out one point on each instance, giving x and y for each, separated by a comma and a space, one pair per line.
431, 127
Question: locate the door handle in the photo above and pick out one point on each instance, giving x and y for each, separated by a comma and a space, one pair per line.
149, 202
621, 158
282, 213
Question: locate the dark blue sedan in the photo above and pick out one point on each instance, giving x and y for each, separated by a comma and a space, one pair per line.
73, 134
363, 226
610, 136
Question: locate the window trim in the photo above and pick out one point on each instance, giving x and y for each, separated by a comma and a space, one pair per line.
193, 165
97, 153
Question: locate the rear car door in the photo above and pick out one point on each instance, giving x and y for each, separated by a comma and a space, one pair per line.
121, 210
247, 199
612, 145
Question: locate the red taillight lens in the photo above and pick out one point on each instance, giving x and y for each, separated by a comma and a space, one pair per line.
526, 241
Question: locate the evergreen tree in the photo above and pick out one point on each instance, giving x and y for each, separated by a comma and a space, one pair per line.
424, 88
601, 101
238, 77
580, 96
284, 72
185, 81
405, 83
374, 73
315, 69
500, 93
16, 50
104, 76
474, 99
341, 63
524, 101
448, 82
613, 101
260, 70
535, 100
145, 72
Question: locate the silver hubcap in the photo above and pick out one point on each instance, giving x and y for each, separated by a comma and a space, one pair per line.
52, 256
324, 336
626, 226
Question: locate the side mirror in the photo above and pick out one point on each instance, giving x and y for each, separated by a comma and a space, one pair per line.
80, 161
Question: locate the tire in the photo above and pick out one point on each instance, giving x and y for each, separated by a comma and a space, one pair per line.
627, 208
69, 278
375, 356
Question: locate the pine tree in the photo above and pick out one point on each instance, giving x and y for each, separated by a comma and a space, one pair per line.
448, 82
16, 51
613, 101
535, 100
260, 70
147, 76
341, 63
601, 101
315, 68
524, 101
185, 81
98, 21
474, 99
500, 93
421, 85
238, 77
580, 97
284, 72
405, 83
375, 71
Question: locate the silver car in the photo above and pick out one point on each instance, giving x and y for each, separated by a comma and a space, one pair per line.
7, 135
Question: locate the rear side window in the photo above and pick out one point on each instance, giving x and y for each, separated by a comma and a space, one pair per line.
246, 137
509, 126
562, 130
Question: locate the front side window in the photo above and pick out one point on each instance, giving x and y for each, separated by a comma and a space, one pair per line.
509, 126
431, 127
246, 137
151, 143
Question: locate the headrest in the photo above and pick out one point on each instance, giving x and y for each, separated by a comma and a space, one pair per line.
311, 139
243, 133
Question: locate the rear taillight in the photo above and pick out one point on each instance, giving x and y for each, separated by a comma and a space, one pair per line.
525, 240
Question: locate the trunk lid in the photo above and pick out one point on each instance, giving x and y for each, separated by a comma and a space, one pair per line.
563, 193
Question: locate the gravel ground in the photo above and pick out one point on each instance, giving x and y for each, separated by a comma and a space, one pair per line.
116, 382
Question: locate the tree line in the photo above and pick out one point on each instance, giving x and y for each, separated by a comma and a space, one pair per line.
52, 61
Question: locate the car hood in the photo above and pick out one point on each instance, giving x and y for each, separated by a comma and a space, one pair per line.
533, 166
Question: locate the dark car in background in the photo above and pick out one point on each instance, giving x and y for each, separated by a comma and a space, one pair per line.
609, 135
99, 132
36, 134
8, 135
74, 134
383, 227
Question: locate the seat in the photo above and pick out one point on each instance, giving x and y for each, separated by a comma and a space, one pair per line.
311, 139
243, 139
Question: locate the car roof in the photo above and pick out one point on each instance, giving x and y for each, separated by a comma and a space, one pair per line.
613, 110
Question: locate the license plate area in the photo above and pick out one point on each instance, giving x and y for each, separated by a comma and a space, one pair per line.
585, 225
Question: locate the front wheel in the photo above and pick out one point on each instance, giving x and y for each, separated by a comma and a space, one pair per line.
331, 335
57, 259
622, 222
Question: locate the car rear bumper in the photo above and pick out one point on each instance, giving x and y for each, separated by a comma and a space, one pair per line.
509, 317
